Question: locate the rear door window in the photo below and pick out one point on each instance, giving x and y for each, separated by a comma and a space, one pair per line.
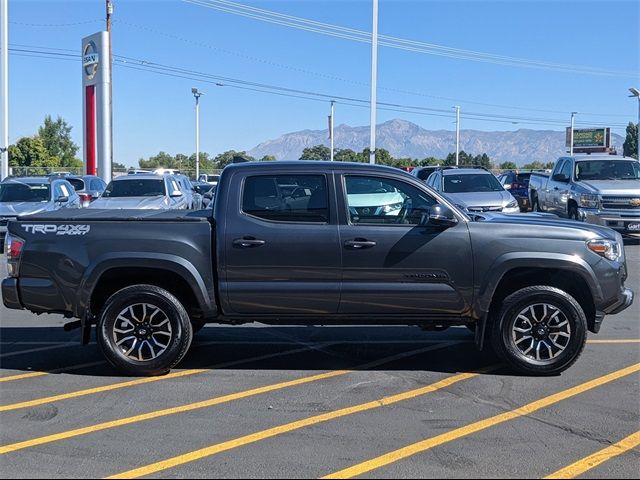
271, 197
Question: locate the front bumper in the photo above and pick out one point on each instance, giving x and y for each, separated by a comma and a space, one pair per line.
624, 300
616, 219
10, 295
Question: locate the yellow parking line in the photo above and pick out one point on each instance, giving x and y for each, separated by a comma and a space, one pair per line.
208, 403
458, 433
140, 381
288, 427
592, 461
22, 376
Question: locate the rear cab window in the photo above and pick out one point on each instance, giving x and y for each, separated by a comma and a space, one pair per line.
286, 198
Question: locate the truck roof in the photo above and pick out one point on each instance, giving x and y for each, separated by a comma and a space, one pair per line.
312, 164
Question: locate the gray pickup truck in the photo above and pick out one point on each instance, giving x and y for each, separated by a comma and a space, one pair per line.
358, 244
598, 189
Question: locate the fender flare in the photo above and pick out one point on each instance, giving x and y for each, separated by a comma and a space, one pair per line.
160, 261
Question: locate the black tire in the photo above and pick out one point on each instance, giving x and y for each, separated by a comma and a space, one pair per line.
573, 212
535, 205
509, 322
153, 315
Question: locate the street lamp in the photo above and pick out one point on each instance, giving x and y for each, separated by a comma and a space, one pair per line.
636, 93
197, 94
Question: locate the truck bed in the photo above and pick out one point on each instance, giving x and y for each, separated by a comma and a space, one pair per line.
100, 215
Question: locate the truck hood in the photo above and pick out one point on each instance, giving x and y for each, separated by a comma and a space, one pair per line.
481, 199
156, 203
545, 220
612, 187
13, 209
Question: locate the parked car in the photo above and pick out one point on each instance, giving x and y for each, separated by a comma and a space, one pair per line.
159, 192
423, 173
192, 196
518, 185
207, 190
212, 178
28, 195
138, 172
598, 189
475, 189
88, 187
529, 287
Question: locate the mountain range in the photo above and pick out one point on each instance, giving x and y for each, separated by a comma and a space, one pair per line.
405, 139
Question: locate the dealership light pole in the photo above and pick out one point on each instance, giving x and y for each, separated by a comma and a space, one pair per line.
636, 93
573, 122
4, 88
197, 94
331, 126
457, 133
374, 79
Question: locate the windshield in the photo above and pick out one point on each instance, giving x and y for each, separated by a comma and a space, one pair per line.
608, 170
135, 188
481, 182
22, 192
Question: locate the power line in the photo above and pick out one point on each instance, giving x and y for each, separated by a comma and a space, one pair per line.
396, 42
222, 81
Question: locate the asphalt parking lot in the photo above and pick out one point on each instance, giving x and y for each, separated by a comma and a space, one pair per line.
255, 401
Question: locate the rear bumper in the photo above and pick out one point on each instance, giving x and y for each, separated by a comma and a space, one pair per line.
615, 219
10, 295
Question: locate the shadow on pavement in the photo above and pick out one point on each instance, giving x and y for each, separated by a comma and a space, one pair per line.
263, 348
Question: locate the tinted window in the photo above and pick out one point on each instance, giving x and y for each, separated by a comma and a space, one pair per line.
377, 200
424, 173
262, 197
135, 188
76, 183
472, 182
21, 192
608, 170
566, 169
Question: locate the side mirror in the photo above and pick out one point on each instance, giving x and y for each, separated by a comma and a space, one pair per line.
62, 199
176, 194
442, 216
560, 177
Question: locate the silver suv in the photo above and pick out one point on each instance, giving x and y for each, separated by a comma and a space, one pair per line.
474, 189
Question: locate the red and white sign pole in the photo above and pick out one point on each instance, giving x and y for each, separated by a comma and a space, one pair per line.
96, 105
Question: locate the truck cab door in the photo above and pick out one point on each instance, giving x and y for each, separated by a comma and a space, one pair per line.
394, 263
560, 187
281, 254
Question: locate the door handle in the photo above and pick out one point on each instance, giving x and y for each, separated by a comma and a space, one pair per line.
248, 242
359, 244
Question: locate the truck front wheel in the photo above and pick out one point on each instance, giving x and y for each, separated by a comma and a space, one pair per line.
144, 330
540, 330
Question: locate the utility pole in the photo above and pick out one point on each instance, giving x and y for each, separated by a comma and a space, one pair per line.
331, 127
197, 94
109, 6
374, 80
457, 134
4, 88
573, 117
636, 93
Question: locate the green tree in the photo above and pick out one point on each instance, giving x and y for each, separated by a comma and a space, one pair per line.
161, 160
118, 167
56, 138
268, 158
429, 161
535, 165
225, 158
508, 166
345, 155
317, 152
630, 146
30, 152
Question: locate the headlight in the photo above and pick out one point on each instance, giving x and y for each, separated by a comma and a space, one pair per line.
392, 208
513, 204
609, 249
589, 201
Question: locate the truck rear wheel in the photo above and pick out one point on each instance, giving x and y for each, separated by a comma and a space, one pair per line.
144, 330
540, 330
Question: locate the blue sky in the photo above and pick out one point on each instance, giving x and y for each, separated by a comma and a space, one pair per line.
154, 112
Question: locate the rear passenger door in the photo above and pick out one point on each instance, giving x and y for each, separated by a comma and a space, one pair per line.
282, 253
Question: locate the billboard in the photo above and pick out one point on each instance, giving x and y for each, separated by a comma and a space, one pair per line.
587, 140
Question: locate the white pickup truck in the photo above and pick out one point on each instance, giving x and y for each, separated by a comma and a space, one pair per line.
598, 189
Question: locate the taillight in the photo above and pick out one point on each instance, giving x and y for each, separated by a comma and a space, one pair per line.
515, 186
85, 199
13, 250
